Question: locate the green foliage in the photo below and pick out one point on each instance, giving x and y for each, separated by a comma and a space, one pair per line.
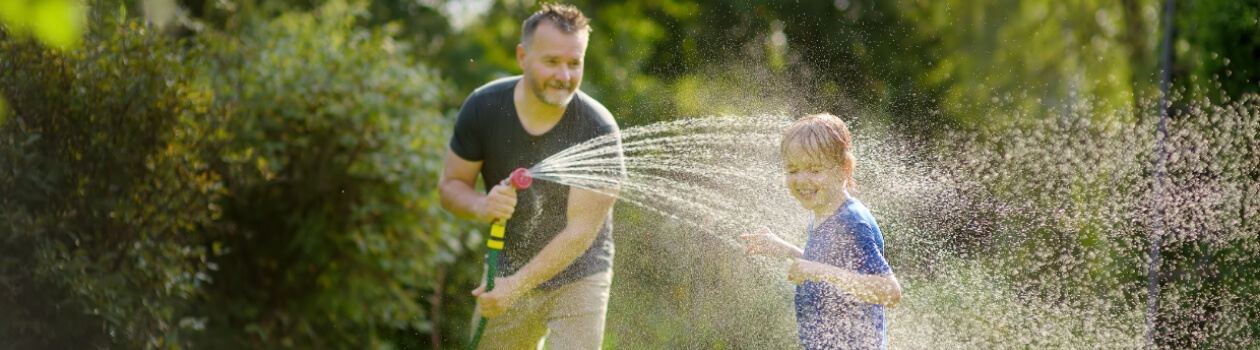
929, 64
332, 230
57, 23
105, 191
4, 111
1218, 50
1002, 57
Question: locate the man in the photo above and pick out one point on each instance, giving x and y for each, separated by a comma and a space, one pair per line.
556, 267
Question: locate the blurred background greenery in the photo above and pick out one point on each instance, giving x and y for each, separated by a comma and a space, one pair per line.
261, 173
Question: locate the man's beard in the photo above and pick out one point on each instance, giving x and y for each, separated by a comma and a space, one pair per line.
540, 90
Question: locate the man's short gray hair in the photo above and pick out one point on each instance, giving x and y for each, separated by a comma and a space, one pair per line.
567, 18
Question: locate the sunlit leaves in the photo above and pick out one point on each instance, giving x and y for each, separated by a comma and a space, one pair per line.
58, 23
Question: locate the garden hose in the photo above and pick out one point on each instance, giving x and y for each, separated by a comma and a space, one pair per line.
519, 180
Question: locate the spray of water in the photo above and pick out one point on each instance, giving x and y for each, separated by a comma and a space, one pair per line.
708, 173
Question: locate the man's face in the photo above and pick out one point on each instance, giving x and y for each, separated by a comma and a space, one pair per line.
552, 64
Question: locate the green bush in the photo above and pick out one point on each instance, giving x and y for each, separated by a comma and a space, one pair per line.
104, 191
332, 233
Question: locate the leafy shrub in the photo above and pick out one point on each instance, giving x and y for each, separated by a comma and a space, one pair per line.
332, 231
104, 191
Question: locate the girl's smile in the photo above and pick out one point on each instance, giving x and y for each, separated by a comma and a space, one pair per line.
817, 183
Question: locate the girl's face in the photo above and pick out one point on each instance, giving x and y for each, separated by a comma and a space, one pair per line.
815, 182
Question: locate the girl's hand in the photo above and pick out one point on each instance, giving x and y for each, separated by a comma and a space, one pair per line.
804, 270
766, 243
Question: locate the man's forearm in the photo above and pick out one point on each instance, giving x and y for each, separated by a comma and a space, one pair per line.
459, 199
587, 211
556, 256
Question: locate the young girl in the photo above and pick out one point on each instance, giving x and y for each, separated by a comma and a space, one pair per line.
843, 281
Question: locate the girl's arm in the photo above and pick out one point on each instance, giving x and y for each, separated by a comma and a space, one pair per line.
874, 289
766, 243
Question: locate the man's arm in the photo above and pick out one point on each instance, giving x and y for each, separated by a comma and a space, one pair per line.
459, 196
586, 213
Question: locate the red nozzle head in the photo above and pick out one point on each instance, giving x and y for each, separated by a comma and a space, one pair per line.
520, 179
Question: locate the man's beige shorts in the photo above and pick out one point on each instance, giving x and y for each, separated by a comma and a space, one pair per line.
567, 318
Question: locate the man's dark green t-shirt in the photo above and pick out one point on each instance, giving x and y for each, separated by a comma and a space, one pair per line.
488, 129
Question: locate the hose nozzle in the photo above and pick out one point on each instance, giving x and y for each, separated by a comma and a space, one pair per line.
520, 178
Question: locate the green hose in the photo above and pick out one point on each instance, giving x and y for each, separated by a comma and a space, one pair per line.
520, 179
495, 243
